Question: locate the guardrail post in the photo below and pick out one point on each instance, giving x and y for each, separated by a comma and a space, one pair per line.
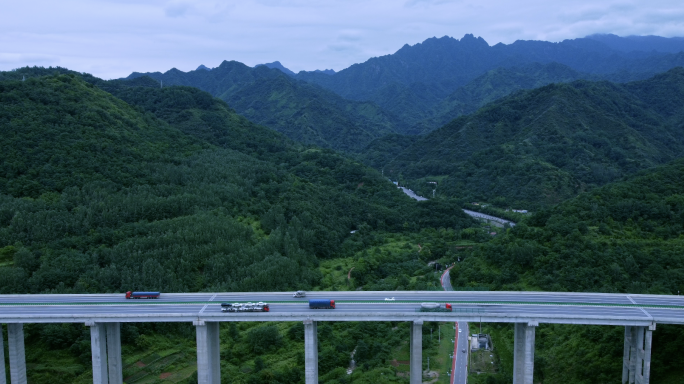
17, 356
3, 374
523, 358
114, 353
208, 352
416, 367
98, 348
310, 352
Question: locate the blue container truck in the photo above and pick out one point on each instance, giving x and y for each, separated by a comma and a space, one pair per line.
321, 304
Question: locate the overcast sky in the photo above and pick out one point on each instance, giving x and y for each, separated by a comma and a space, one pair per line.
112, 38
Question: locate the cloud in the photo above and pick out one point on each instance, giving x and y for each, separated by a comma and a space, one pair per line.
427, 3
24, 59
177, 9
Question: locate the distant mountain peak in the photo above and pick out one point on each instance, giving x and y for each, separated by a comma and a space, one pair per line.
469, 38
278, 66
326, 71
202, 67
640, 43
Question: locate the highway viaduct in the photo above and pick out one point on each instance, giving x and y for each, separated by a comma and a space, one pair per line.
104, 313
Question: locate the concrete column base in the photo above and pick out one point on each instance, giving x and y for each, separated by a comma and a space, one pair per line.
98, 348
416, 367
636, 359
3, 374
523, 358
208, 353
17, 356
114, 364
310, 352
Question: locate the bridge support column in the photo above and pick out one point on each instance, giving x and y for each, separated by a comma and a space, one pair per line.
627, 355
98, 348
208, 352
114, 365
636, 360
17, 356
416, 367
3, 374
310, 352
523, 358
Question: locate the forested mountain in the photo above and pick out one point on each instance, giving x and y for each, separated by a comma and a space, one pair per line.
492, 86
624, 237
542, 146
106, 172
422, 75
302, 111
641, 43
168, 189
278, 66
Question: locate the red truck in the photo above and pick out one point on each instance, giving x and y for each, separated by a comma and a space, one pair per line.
142, 295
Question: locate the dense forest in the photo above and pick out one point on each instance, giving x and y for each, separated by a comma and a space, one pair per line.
169, 189
624, 237
539, 147
302, 111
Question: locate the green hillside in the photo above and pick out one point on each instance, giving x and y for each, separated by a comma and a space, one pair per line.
492, 86
545, 145
169, 189
302, 111
623, 237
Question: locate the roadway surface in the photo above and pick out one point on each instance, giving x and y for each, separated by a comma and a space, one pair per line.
474, 214
459, 365
547, 307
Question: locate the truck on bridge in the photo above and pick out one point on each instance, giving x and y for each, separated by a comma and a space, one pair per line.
142, 295
321, 304
435, 307
245, 307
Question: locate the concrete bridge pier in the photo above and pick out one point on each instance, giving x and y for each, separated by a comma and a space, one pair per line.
523, 358
98, 348
310, 352
636, 360
17, 356
3, 374
416, 347
105, 346
114, 366
208, 352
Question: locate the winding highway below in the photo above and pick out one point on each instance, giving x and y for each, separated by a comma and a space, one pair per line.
459, 365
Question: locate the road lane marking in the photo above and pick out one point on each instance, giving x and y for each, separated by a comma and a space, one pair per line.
643, 310
206, 305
